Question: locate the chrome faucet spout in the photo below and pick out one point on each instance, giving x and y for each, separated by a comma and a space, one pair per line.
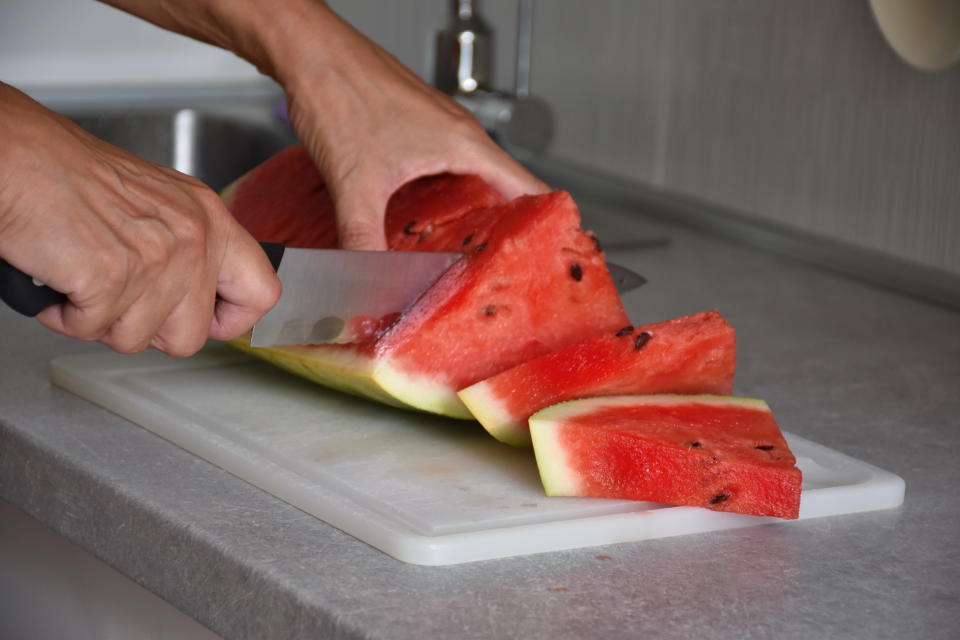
520, 122
463, 51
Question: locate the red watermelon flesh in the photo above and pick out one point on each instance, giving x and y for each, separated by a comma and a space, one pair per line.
693, 354
286, 200
531, 281
722, 453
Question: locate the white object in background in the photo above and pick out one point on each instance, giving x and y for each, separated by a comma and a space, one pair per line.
56, 43
926, 33
424, 489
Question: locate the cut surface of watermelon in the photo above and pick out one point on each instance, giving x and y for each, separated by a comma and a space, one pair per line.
718, 452
531, 281
693, 354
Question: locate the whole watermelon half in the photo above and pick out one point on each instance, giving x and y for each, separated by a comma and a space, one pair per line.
530, 281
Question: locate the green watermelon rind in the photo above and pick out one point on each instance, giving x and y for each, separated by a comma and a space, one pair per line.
556, 475
356, 374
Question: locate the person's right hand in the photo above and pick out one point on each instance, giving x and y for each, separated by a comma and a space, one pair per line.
146, 255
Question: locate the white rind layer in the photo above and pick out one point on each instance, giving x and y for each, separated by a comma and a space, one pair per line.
573, 408
546, 425
420, 392
557, 477
493, 415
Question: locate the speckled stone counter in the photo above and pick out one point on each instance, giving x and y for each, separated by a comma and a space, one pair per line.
865, 371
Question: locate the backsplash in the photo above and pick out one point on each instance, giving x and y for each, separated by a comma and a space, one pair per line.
792, 112
789, 112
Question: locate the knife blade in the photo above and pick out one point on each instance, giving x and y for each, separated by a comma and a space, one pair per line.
323, 289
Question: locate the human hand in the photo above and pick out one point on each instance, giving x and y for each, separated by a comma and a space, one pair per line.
141, 251
372, 126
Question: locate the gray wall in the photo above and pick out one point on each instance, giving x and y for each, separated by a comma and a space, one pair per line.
790, 111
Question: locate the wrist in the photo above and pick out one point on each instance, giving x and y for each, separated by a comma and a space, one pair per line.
286, 40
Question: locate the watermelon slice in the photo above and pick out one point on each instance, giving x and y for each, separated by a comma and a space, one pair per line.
718, 452
531, 281
694, 354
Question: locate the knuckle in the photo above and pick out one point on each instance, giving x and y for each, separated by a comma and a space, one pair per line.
110, 270
208, 198
127, 347
154, 249
123, 341
93, 332
182, 347
272, 292
190, 232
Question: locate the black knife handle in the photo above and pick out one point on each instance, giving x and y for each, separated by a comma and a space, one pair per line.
274, 251
23, 295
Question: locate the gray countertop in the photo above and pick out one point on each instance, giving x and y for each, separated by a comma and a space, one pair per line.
868, 372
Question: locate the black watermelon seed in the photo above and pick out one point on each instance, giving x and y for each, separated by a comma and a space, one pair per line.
467, 240
576, 272
642, 340
720, 497
764, 447
695, 445
409, 228
320, 188
490, 310
596, 242
481, 247
627, 330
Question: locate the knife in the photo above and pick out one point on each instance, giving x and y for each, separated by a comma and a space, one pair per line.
322, 289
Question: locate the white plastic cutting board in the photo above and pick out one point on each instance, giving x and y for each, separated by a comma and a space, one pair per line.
423, 489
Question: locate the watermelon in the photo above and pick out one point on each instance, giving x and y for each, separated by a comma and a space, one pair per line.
530, 282
719, 452
693, 354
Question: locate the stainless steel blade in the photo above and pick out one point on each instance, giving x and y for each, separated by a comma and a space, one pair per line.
323, 288
624, 279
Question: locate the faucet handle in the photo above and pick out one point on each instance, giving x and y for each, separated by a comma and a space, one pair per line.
463, 51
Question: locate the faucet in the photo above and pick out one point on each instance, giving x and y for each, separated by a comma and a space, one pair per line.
519, 121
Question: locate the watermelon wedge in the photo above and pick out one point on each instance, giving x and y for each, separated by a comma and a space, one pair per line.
693, 354
531, 281
718, 452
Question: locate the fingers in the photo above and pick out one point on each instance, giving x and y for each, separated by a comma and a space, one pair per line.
508, 176
246, 287
360, 213
184, 327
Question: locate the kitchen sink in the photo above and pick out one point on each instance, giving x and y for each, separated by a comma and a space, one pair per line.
211, 146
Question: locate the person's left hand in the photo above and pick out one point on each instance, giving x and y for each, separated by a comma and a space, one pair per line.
372, 126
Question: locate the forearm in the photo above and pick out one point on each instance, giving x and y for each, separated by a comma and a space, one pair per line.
277, 37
